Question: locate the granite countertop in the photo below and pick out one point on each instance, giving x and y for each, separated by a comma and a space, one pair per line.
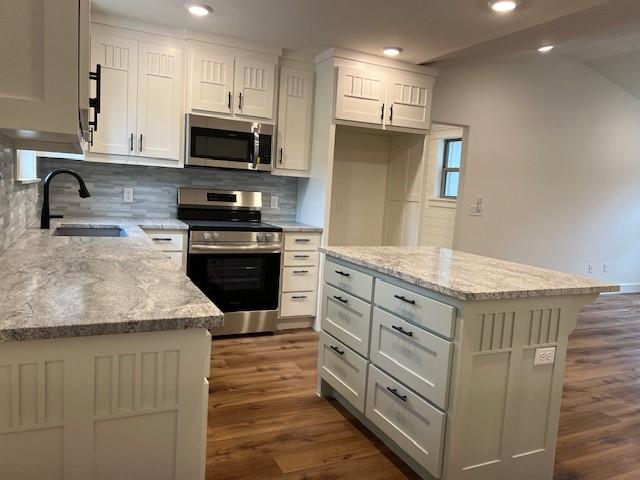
466, 276
296, 227
55, 287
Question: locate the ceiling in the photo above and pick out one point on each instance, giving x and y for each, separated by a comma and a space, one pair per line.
425, 29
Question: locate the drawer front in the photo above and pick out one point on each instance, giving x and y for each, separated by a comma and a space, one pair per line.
411, 422
168, 242
417, 358
176, 257
344, 370
300, 259
301, 242
430, 314
298, 304
350, 280
347, 318
299, 279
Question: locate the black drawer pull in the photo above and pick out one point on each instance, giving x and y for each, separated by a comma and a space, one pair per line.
402, 330
395, 392
405, 299
301, 256
303, 240
299, 297
337, 350
161, 239
344, 274
340, 299
301, 271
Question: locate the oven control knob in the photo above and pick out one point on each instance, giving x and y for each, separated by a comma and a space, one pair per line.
206, 236
216, 236
268, 237
260, 237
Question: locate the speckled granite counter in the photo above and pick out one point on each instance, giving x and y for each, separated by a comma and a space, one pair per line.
466, 276
55, 287
296, 227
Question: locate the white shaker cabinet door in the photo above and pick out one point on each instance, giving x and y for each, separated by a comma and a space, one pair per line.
211, 81
409, 100
294, 119
117, 120
254, 88
360, 96
159, 102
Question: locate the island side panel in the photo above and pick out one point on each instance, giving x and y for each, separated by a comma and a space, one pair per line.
503, 413
103, 407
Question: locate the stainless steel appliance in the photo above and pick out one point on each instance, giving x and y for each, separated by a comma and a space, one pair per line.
223, 143
233, 257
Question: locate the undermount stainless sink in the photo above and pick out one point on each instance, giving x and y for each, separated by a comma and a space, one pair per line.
89, 232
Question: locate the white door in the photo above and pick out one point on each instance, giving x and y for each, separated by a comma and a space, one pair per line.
294, 119
254, 85
159, 102
360, 96
210, 81
410, 100
117, 120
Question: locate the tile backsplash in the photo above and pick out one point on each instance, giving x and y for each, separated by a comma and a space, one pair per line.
17, 201
155, 189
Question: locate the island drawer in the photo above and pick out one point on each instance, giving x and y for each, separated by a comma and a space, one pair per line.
299, 279
350, 280
412, 355
347, 318
435, 316
298, 304
411, 422
167, 241
300, 259
344, 370
300, 241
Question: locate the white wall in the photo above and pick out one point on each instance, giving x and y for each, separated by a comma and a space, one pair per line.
359, 188
554, 150
439, 214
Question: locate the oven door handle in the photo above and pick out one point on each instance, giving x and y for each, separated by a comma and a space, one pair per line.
198, 249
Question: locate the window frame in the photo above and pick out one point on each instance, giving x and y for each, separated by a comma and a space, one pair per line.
446, 170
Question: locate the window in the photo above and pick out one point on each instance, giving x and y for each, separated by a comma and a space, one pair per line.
451, 168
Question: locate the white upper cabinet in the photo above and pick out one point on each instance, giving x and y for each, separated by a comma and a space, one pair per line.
360, 96
159, 101
254, 87
224, 83
211, 81
409, 97
294, 119
117, 121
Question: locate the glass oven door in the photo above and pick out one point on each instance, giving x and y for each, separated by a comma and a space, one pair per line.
237, 282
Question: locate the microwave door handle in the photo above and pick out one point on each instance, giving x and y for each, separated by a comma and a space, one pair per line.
256, 147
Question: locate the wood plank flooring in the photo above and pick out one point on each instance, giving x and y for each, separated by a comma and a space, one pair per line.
266, 422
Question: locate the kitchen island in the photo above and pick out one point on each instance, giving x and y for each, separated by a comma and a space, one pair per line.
104, 358
454, 360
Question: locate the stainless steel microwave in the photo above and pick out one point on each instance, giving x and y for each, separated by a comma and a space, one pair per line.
223, 143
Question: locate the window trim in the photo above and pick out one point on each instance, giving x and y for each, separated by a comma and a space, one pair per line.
446, 170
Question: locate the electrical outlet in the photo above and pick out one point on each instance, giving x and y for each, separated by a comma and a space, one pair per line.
605, 268
477, 210
544, 356
128, 195
275, 201
590, 268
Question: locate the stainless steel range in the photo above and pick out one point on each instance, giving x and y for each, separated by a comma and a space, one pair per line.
233, 257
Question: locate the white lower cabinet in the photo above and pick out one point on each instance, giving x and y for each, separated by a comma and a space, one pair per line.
410, 421
347, 318
344, 370
173, 243
298, 304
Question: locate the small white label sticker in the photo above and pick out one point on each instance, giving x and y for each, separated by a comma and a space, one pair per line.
544, 356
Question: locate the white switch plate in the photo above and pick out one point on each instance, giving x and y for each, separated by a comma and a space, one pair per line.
544, 356
275, 201
128, 195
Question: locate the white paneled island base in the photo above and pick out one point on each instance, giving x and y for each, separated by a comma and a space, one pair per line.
450, 375
105, 407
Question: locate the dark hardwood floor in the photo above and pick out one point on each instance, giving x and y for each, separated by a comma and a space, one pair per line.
266, 422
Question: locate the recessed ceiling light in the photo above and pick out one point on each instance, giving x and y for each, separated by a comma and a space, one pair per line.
392, 51
503, 6
199, 10
545, 48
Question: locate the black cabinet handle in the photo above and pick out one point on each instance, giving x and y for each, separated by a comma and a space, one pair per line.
337, 350
402, 330
344, 274
240, 101
161, 239
340, 299
382, 113
90, 138
301, 256
280, 155
405, 299
131, 143
391, 113
301, 271
140, 143
96, 101
299, 297
395, 392
229, 101
302, 240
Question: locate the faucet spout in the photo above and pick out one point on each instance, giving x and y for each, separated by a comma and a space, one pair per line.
45, 217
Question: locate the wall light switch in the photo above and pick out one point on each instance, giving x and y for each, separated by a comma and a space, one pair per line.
544, 356
275, 201
128, 195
